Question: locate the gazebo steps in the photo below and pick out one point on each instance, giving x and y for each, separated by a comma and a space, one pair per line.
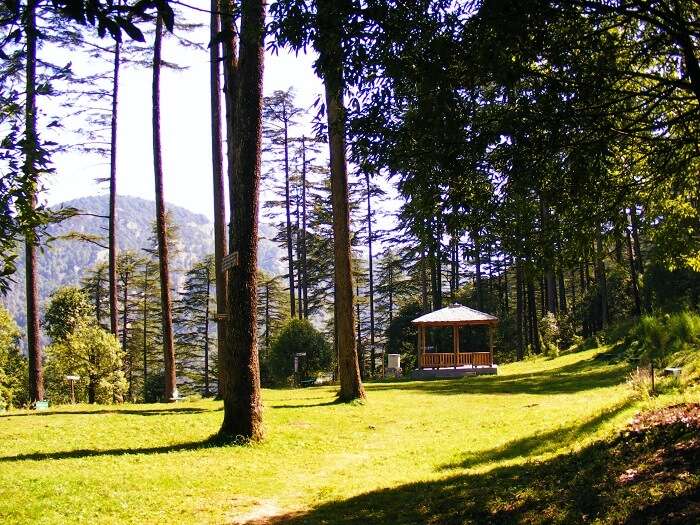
448, 373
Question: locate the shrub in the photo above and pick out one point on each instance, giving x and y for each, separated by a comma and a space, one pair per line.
13, 366
94, 355
549, 333
295, 337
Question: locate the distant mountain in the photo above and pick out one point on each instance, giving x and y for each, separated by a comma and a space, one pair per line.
64, 262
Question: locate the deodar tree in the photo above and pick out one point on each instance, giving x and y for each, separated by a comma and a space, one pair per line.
239, 362
325, 29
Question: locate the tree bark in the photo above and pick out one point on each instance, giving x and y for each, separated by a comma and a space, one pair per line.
161, 226
330, 22
239, 360
34, 350
113, 196
220, 246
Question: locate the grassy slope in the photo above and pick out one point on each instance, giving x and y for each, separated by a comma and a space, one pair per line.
415, 450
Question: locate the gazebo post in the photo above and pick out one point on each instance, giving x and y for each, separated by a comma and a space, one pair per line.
455, 343
491, 346
421, 345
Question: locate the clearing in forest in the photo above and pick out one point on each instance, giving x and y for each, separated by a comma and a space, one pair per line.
536, 443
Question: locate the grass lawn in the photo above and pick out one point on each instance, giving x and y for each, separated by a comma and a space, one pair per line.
522, 446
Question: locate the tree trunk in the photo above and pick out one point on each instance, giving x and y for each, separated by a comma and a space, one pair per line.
166, 302
601, 280
330, 23
424, 282
125, 314
34, 350
519, 317
304, 272
288, 215
534, 331
145, 333
371, 275
300, 293
477, 262
113, 197
633, 274
206, 338
563, 306
360, 350
634, 221
220, 246
230, 68
239, 360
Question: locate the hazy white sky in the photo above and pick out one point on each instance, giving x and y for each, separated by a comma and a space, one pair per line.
185, 128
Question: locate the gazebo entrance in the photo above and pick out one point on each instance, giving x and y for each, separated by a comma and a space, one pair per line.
456, 362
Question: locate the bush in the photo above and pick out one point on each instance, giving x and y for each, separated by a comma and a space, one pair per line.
94, 355
295, 337
13, 366
549, 333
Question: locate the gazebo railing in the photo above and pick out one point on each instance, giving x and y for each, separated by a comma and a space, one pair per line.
443, 360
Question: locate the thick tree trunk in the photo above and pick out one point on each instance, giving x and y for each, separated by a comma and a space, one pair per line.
161, 226
36, 371
551, 290
330, 23
220, 246
113, 196
239, 360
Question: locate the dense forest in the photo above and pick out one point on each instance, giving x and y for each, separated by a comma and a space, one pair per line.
542, 155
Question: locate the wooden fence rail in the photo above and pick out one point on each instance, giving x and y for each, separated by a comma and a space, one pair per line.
444, 360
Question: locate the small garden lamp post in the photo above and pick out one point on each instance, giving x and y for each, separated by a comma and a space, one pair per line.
71, 381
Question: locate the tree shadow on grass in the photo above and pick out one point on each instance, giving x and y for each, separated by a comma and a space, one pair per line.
214, 441
589, 485
117, 411
540, 443
567, 379
311, 405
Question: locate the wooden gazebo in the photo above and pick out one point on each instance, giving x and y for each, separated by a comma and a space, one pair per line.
455, 316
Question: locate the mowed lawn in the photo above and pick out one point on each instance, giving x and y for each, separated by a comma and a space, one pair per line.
410, 445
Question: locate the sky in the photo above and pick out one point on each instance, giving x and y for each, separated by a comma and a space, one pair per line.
185, 123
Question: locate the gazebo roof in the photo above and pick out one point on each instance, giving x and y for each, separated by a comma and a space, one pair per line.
455, 315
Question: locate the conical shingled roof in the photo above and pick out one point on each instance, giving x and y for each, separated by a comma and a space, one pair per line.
456, 314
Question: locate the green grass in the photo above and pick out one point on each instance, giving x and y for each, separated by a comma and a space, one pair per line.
442, 451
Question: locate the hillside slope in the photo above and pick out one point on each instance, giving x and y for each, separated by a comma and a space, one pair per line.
65, 261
